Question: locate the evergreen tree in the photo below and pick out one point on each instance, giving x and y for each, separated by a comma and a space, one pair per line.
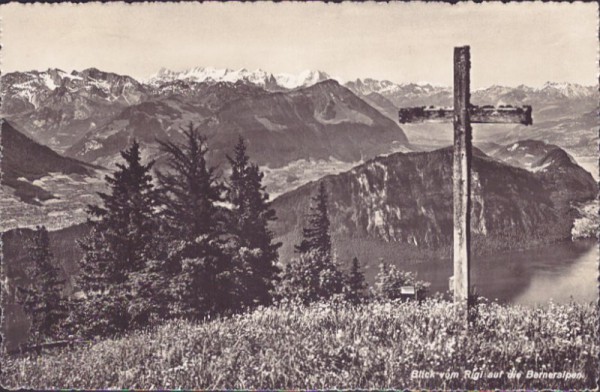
314, 275
42, 298
190, 187
196, 259
122, 239
316, 235
355, 283
237, 180
251, 214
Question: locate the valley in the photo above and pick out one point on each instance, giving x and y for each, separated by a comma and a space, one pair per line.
299, 128
389, 186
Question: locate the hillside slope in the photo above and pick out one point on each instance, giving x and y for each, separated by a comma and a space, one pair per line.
24, 161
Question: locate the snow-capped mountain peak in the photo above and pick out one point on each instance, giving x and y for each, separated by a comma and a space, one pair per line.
258, 77
570, 90
303, 79
386, 87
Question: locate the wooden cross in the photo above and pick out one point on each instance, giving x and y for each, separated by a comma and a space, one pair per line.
463, 114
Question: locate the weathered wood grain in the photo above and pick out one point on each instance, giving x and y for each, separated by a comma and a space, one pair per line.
477, 114
461, 175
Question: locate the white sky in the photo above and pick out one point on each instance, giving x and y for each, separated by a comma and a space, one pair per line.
511, 44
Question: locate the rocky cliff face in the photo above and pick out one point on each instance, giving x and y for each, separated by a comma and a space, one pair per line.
407, 199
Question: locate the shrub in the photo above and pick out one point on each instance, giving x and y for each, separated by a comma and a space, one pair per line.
389, 282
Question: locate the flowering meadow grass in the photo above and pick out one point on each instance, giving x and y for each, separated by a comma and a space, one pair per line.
334, 346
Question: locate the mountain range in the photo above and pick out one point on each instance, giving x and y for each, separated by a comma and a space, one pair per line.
297, 127
565, 114
322, 121
56, 108
91, 115
75, 112
259, 77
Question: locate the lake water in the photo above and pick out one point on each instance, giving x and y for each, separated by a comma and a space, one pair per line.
562, 272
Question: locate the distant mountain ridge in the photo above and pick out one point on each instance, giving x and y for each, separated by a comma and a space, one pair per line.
25, 84
525, 154
259, 77
399, 91
565, 114
89, 114
57, 108
361, 86
552, 101
323, 121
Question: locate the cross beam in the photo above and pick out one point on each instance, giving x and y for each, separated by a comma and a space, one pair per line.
477, 114
463, 114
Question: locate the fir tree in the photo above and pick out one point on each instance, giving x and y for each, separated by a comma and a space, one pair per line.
251, 214
316, 235
191, 187
42, 298
196, 259
355, 283
122, 239
314, 275
237, 180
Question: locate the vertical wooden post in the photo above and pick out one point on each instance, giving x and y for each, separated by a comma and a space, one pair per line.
462, 177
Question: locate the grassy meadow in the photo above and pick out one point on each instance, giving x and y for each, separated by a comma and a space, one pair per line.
334, 346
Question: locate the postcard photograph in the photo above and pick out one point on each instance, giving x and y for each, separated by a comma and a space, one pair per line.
299, 196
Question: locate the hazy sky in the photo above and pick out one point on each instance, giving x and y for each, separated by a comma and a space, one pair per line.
511, 44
